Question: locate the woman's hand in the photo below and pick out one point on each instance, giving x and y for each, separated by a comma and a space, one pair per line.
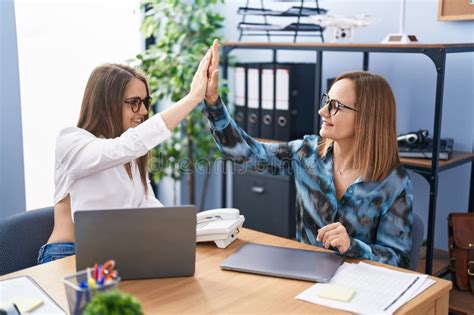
173, 115
199, 83
212, 93
335, 235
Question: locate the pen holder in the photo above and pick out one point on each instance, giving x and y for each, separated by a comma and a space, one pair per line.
78, 297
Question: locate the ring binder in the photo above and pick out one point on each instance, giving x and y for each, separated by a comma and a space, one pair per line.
267, 103
239, 96
253, 101
278, 100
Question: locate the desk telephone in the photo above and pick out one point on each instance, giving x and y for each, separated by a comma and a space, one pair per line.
219, 225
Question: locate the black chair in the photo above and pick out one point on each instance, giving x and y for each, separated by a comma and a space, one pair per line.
417, 235
21, 236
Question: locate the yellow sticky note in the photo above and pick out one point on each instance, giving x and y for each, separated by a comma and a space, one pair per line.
26, 305
335, 292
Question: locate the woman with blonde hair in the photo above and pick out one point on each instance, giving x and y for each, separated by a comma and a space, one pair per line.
352, 193
103, 162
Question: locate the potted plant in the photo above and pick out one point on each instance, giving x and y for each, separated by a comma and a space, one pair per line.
181, 31
113, 303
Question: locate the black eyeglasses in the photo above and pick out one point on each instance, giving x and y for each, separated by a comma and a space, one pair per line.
333, 105
136, 102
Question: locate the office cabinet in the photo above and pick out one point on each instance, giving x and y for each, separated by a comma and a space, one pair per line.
266, 201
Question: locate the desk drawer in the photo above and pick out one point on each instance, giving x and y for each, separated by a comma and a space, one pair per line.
266, 201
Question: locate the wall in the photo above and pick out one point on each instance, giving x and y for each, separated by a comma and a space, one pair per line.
412, 77
59, 44
12, 183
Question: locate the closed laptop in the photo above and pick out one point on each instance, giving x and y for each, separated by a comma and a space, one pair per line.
284, 262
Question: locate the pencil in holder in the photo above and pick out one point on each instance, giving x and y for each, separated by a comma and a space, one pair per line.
79, 293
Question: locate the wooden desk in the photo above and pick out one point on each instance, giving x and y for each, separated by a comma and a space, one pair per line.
212, 290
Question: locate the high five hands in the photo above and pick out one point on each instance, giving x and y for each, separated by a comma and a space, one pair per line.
212, 93
206, 79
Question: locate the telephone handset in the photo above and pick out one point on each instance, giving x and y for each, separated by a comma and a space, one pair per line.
219, 225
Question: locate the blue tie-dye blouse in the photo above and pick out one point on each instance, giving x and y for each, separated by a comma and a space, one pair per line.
377, 214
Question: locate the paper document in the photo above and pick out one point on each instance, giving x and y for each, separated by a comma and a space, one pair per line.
377, 290
25, 288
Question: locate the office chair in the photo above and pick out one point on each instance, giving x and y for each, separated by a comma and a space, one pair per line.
417, 235
21, 236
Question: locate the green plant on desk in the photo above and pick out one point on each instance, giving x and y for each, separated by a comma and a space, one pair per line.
182, 32
113, 303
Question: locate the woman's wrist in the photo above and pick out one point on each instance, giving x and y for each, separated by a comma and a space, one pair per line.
193, 98
212, 100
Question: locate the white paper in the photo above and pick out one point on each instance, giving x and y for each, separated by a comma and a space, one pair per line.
282, 89
252, 88
267, 89
376, 289
239, 81
22, 287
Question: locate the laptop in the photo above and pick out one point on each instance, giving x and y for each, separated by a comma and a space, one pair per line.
144, 242
284, 262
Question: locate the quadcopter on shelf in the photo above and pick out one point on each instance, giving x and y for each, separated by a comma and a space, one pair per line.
343, 25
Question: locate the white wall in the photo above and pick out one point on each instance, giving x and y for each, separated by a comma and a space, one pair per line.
59, 44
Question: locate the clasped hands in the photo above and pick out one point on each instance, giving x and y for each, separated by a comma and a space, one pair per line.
206, 79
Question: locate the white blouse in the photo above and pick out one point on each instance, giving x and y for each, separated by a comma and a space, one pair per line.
91, 170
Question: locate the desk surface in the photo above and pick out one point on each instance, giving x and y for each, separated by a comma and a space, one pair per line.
213, 290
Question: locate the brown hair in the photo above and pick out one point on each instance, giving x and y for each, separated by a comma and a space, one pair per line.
101, 110
376, 148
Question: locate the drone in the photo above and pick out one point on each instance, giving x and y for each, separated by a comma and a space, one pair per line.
343, 25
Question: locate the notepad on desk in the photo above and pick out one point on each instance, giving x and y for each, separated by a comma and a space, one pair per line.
336, 292
377, 290
28, 296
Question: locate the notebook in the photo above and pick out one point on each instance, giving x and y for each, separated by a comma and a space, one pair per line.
284, 262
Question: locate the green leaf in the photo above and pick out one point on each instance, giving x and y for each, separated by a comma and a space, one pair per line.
183, 30
113, 303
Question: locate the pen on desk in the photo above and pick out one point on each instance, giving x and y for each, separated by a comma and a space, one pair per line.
100, 270
401, 294
96, 271
107, 269
110, 276
82, 286
90, 281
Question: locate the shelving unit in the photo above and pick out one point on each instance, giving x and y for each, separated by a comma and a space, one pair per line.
429, 169
292, 29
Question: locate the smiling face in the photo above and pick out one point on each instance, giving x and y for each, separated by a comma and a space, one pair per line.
340, 127
135, 88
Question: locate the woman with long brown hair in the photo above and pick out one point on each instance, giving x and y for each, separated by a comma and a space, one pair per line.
103, 162
352, 194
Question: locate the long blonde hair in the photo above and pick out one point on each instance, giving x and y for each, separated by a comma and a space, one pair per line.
101, 110
376, 148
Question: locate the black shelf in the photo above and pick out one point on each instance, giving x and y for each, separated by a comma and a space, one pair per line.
429, 169
291, 12
290, 29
